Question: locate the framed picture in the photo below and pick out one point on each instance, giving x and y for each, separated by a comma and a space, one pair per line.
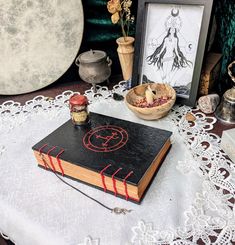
170, 42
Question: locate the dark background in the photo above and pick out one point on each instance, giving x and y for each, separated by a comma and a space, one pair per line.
100, 33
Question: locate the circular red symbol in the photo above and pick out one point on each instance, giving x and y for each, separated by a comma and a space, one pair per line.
105, 138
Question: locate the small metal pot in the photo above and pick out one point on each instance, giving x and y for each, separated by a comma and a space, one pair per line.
94, 66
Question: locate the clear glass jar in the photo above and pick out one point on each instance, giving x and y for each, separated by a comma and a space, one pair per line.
78, 105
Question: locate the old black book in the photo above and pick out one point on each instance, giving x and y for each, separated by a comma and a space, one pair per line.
118, 156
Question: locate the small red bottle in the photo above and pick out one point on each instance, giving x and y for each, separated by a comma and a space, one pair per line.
78, 105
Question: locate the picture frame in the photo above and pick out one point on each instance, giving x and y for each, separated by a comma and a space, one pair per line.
170, 41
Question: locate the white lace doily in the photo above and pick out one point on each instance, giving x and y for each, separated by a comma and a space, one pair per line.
191, 199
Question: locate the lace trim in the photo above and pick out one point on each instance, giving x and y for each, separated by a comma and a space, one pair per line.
13, 113
211, 218
6, 237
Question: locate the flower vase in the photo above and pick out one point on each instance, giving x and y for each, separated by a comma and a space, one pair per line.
126, 55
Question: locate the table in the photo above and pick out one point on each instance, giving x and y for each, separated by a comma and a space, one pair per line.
191, 199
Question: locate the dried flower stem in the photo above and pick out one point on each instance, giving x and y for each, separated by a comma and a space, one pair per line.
123, 29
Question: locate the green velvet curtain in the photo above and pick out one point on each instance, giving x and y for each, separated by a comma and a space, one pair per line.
100, 33
225, 37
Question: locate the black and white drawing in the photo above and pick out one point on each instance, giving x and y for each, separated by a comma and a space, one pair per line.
170, 45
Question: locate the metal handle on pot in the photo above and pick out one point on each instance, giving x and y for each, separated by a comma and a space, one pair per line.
230, 71
77, 62
109, 61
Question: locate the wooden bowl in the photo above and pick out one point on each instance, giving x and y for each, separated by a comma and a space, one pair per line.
150, 113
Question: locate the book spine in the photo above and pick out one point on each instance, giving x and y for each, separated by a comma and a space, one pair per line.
114, 181
115, 191
50, 158
46, 150
103, 178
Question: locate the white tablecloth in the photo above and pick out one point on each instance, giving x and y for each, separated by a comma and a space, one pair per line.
190, 199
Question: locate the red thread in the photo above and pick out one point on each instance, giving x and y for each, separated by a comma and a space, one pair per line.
59, 162
40, 152
40, 149
102, 176
125, 185
114, 182
50, 158
45, 163
134, 199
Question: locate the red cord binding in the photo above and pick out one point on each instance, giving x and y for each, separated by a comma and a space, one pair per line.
50, 158
102, 177
40, 152
125, 185
59, 162
114, 182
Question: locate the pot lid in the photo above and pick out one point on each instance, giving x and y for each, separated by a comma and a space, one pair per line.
92, 56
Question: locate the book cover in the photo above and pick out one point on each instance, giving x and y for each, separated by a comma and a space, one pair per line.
113, 154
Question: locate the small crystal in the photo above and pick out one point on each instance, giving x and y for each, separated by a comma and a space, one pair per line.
117, 96
190, 117
208, 103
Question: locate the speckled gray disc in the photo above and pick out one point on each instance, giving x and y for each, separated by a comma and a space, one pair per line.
39, 40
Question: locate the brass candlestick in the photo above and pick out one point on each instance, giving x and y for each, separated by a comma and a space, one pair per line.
226, 110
